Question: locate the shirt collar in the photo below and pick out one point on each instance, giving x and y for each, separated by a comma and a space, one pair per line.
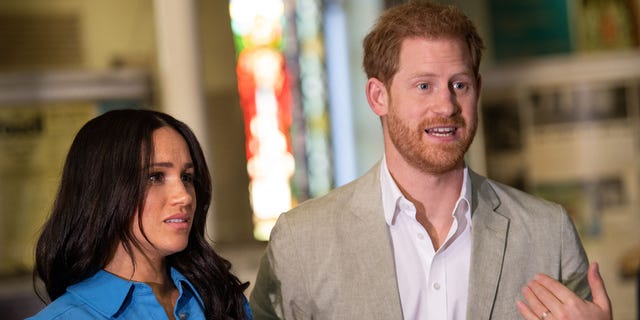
181, 282
392, 196
106, 292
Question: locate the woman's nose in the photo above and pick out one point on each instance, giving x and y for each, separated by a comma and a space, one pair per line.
181, 194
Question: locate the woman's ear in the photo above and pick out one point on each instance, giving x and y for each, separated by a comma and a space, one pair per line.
377, 97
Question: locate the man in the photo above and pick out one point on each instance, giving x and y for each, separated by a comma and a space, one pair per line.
421, 236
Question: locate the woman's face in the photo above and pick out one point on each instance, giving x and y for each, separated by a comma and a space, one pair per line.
170, 200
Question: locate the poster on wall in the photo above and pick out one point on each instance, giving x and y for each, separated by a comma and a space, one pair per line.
607, 24
34, 140
40, 115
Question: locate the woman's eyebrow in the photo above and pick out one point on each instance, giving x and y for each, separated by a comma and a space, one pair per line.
162, 164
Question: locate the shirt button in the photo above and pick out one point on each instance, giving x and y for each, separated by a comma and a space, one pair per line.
183, 316
420, 236
436, 286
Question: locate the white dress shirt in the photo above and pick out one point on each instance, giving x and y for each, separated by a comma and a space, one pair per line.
433, 284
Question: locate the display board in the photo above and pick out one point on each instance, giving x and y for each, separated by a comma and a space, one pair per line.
39, 117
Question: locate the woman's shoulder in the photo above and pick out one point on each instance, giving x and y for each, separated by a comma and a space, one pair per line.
96, 297
67, 306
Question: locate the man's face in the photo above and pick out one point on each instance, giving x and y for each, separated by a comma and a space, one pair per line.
432, 104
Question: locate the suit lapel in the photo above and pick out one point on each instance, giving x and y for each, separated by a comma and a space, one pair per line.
371, 245
489, 237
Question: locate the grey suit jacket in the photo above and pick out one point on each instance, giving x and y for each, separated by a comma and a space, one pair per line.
332, 257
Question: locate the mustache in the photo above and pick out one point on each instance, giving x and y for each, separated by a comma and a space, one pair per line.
454, 121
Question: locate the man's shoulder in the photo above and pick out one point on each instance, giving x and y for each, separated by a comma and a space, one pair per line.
518, 204
341, 198
487, 187
332, 198
324, 215
510, 193
321, 212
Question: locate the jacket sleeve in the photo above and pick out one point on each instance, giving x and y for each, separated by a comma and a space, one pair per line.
265, 296
575, 264
279, 286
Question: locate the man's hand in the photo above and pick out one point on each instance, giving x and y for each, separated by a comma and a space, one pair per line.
548, 299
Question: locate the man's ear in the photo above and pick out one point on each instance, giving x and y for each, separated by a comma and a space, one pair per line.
377, 96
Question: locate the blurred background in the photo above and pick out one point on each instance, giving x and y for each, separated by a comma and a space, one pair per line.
274, 89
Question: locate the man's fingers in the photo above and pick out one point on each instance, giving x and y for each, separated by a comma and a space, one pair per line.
525, 311
547, 298
598, 290
561, 292
545, 294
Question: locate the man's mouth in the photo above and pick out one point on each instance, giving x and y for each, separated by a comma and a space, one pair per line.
441, 131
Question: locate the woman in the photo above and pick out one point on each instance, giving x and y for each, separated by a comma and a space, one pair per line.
126, 238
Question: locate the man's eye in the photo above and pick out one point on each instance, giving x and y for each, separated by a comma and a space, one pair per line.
423, 86
459, 85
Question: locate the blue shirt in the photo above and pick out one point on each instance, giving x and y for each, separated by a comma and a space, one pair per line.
106, 296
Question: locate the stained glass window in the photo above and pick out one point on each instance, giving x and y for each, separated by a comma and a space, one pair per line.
281, 87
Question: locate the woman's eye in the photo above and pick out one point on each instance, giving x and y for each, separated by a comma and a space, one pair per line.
187, 178
156, 177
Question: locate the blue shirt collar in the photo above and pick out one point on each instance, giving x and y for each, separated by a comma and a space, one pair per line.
106, 292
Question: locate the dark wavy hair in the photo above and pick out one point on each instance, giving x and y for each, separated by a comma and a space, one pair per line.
103, 185
415, 19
